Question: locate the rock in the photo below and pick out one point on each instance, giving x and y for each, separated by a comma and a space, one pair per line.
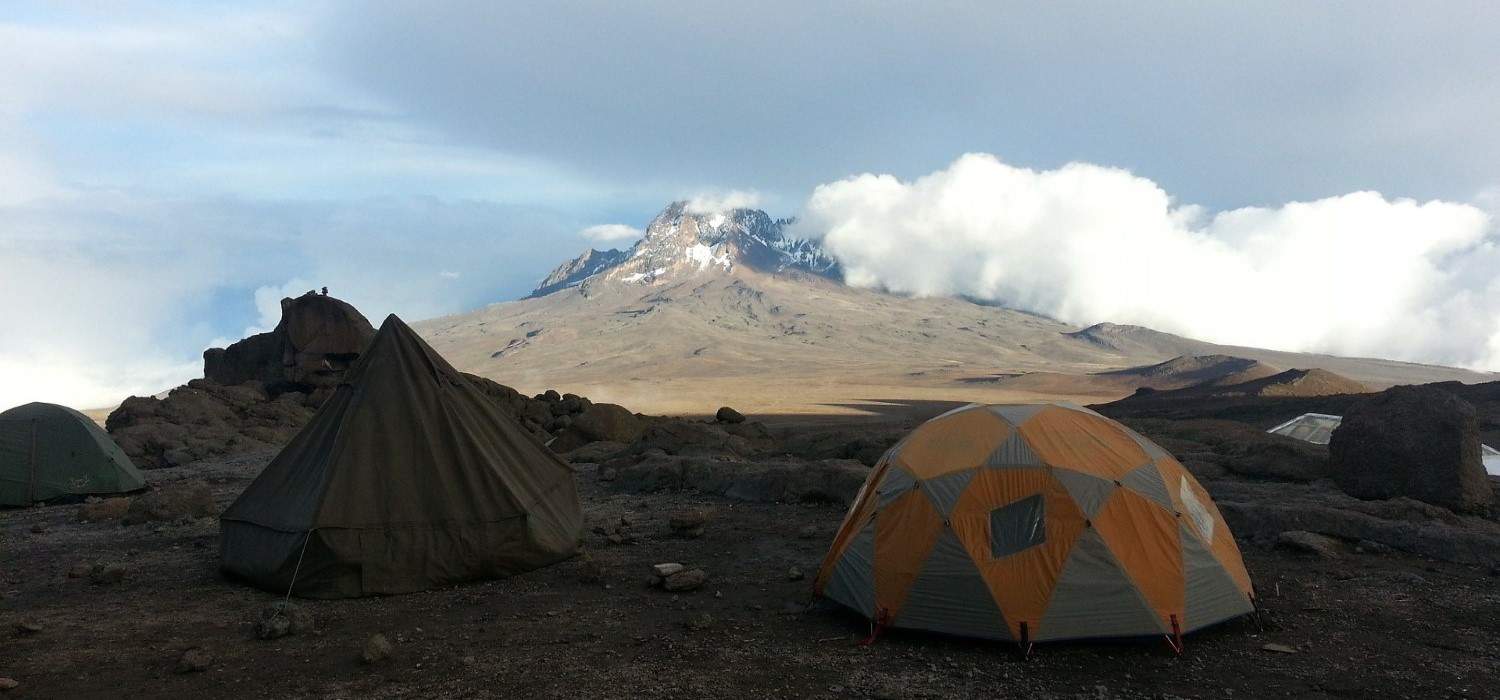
377, 649
189, 499
8, 684
1278, 648
102, 510
665, 570
79, 570
590, 571
598, 422
1414, 441
810, 532
27, 628
700, 622
282, 618
315, 342
729, 415
680, 437
103, 575
690, 523
1310, 543
688, 580
794, 574
595, 452
194, 660
39, 528
1371, 547
550, 396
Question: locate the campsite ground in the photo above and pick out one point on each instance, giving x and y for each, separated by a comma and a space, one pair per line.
1364, 625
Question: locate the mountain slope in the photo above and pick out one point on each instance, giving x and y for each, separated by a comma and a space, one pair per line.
710, 309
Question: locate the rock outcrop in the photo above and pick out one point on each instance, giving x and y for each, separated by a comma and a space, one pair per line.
1414, 441
318, 338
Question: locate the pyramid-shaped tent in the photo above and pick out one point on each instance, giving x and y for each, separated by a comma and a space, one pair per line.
49, 451
407, 478
1034, 523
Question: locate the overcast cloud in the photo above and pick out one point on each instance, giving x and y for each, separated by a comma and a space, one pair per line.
167, 169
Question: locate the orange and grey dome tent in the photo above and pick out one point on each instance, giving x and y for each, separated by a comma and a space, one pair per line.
1034, 523
407, 478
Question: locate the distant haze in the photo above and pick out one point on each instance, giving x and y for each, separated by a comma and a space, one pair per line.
167, 170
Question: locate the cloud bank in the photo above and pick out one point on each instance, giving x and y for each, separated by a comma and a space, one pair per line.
719, 202
1356, 274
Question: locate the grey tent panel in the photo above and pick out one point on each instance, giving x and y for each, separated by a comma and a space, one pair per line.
1146, 480
852, 582
1016, 415
897, 483
950, 595
945, 490
1153, 450
1211, 594
1014, 453
1018, 526
1094, 597
1088, 491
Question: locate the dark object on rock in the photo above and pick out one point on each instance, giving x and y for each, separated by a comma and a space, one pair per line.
190, 500
689, 580
194, 660
105, 509
1310, 542
1413, 441
27, 628
39, 528
794, 574
729, 415
8, 684
810, 532
377, 649
282, 618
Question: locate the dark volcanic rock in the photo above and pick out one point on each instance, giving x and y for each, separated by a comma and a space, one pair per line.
598, 422
831, 481
189, 499
1412, 441
729, 415
315, 342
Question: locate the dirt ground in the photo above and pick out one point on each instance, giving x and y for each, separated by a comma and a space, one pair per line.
1366, 625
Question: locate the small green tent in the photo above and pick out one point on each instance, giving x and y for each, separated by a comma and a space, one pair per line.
48, 451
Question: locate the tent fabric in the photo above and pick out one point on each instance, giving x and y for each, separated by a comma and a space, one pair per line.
49, 451
1050, 518
407, 478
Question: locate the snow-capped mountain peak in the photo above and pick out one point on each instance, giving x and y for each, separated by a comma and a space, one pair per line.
681, 242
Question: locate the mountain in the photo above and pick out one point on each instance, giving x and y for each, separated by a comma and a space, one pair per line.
574, 271
1194, 371
716, 308
681, 241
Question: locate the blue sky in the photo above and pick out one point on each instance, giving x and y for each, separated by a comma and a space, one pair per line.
161, 162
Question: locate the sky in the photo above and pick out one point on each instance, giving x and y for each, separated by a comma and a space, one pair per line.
168, 170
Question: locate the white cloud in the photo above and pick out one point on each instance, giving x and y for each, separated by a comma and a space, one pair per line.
1354, 274
611, 233
450, 274
719, 202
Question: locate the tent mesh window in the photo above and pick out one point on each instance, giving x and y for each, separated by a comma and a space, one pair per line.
1017, 526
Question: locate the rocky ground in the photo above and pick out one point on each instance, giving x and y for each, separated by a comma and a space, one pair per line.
100, 609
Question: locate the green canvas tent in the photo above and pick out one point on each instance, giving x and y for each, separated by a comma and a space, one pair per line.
49, 451
407, 478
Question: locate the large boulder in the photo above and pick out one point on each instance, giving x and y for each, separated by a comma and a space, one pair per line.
1413, 441
826, 481
317, 340
600, 422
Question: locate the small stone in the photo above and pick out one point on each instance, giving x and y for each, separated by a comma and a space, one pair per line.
39, 528
106, 509
377, 649
665, 570
1278, 648
1371, 547
688, 580
794, 574
8, 684
27, 628
103, 575
811, 532
591, 571
700, 622
468, 661
282, 618
1323, 546
690, 523
194, 660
